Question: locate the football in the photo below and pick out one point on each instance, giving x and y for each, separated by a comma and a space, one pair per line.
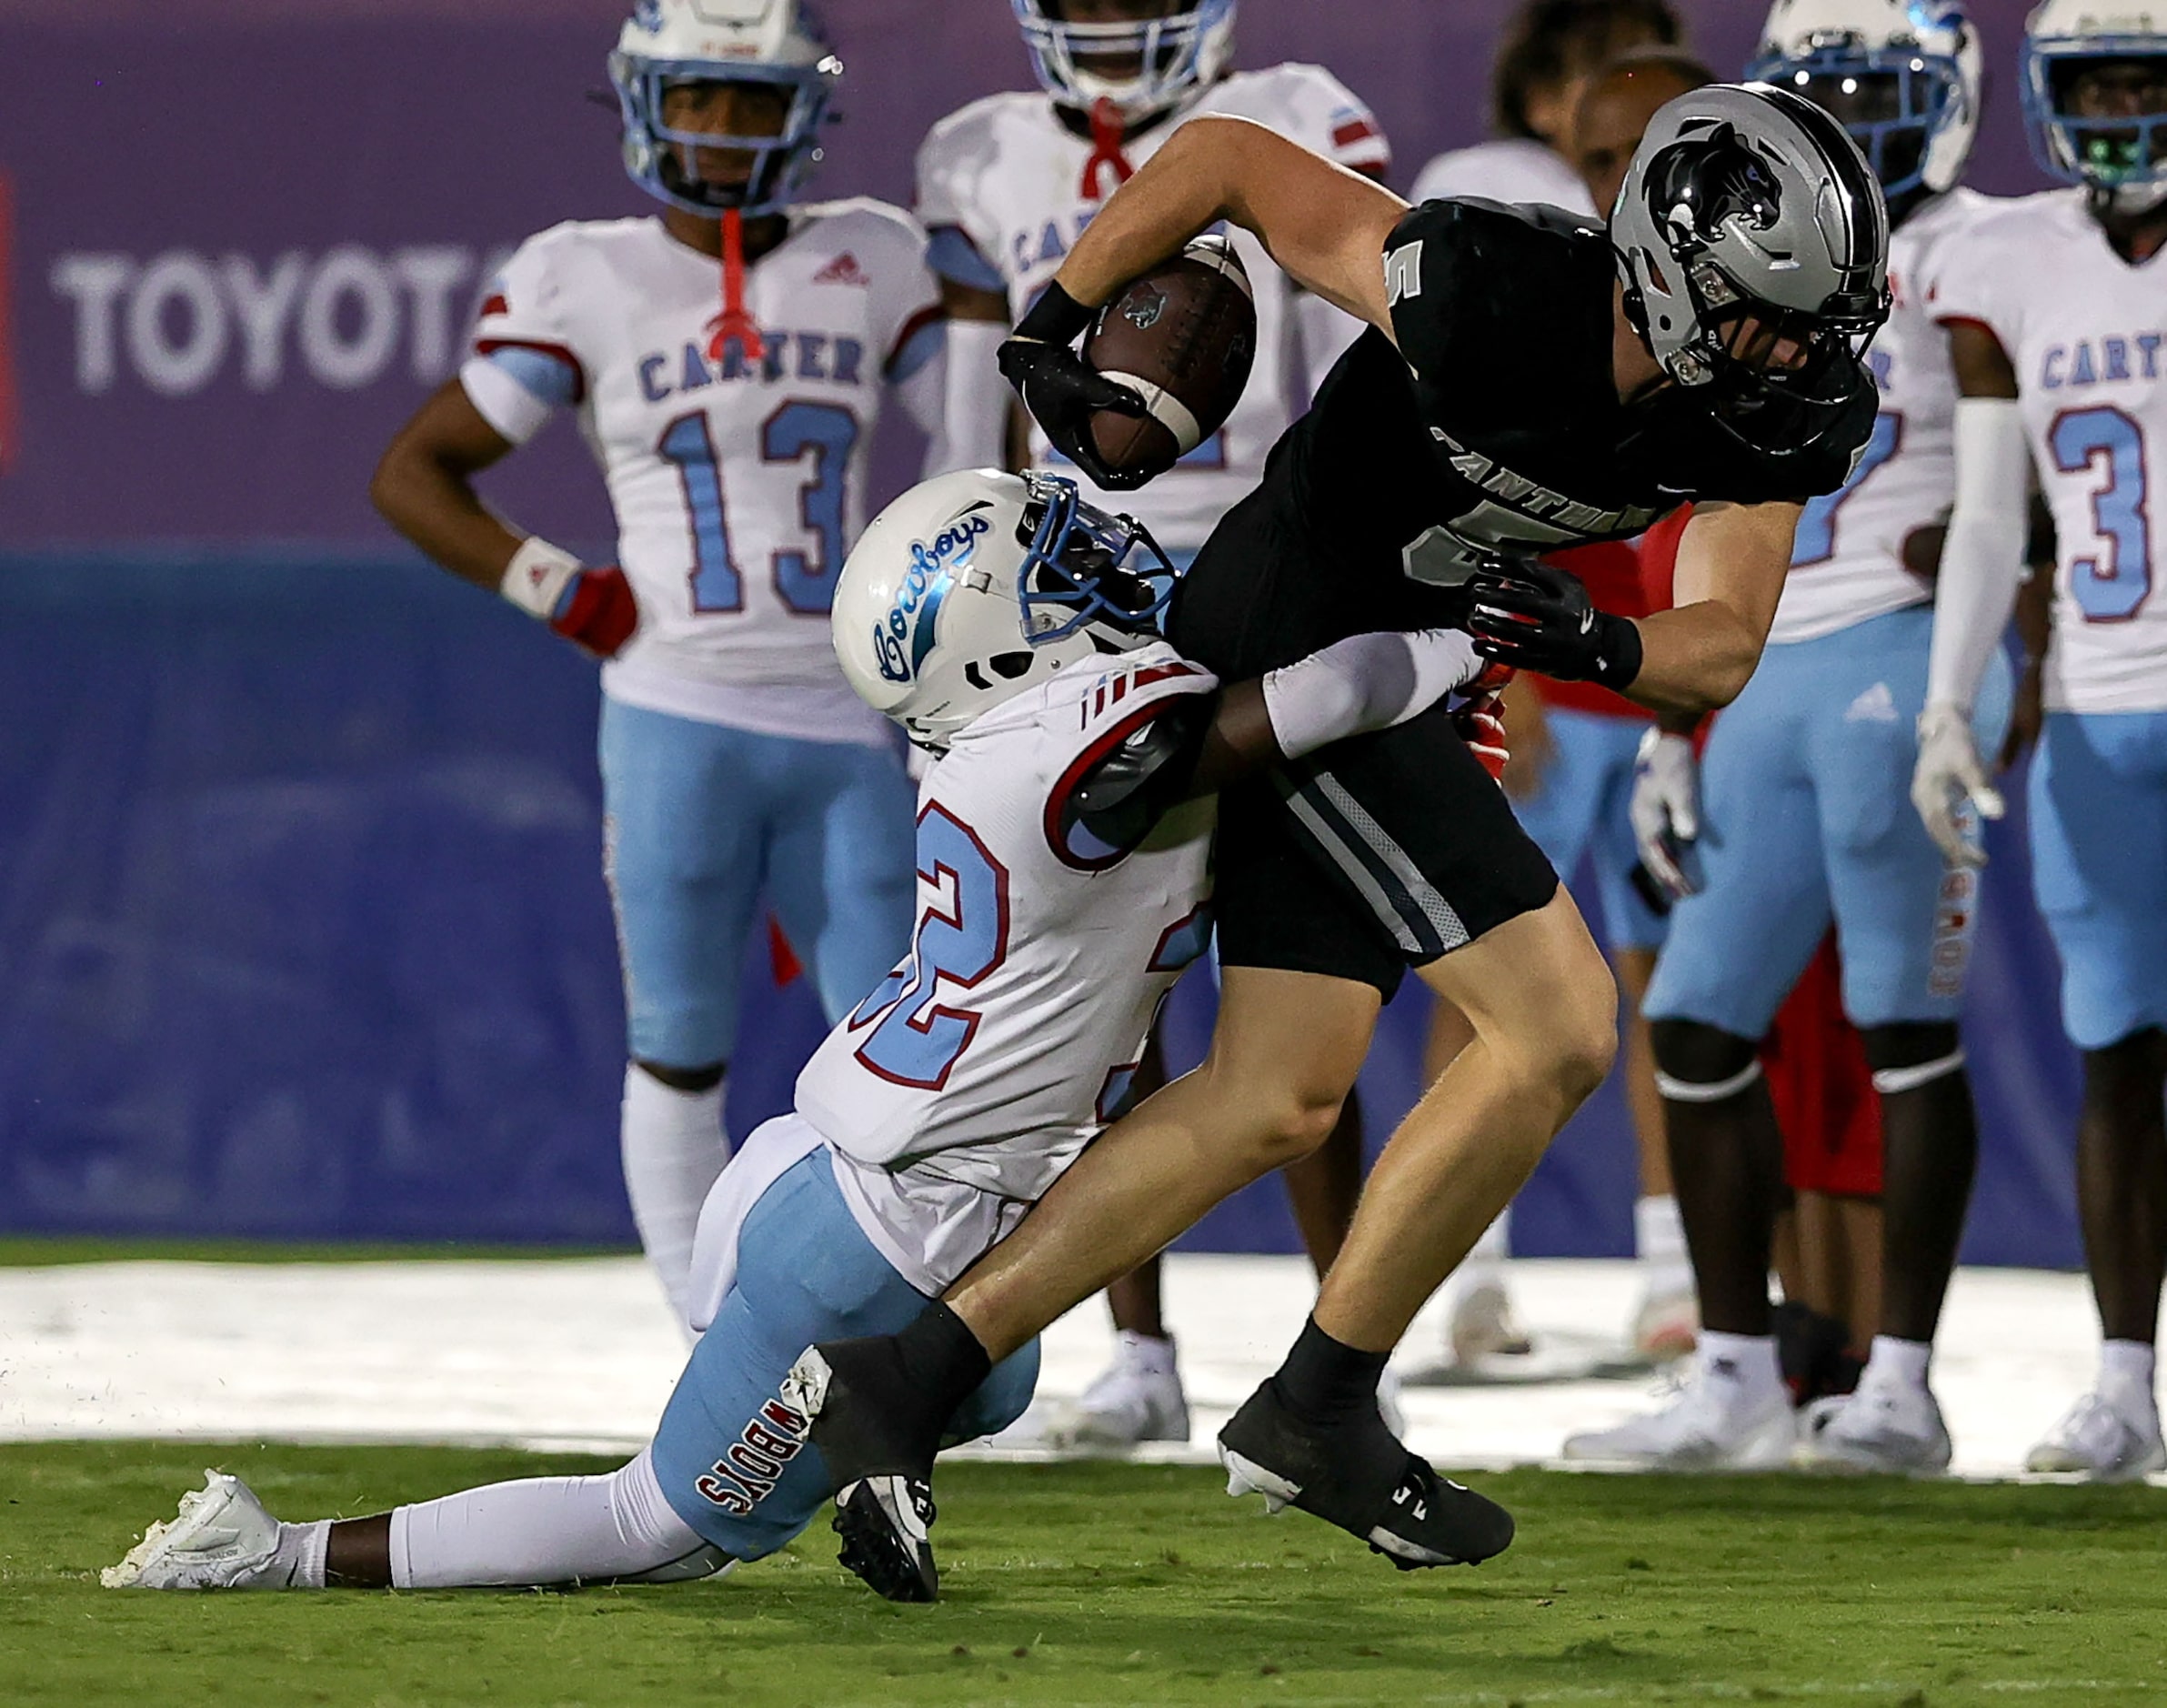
1183, 335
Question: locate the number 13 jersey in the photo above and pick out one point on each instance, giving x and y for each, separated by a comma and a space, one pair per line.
983, 1063
738, 482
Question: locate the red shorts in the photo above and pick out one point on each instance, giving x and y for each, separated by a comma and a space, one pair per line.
1826, 1105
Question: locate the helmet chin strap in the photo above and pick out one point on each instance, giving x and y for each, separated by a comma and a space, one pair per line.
734, 324
1109, 126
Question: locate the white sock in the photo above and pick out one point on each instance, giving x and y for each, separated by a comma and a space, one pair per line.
298, 1564
1659, 1239
2126, 1373
1146, 1354
673, 1148
548, 1530
1747, 1360
1892, 1362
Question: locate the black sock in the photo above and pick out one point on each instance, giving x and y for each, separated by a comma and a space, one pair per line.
1325, 1381
943, 1360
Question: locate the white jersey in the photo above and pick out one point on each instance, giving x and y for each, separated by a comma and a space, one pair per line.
961, 1088
2088, 335
1512, 170
738, 485
1001, 187
1847, 558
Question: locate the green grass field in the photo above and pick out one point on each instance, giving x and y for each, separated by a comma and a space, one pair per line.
1121, 1585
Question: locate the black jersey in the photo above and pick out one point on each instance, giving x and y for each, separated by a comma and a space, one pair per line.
1495, 422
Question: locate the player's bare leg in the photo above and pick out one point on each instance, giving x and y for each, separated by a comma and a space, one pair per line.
2113, 1431
1479, 1316
1539, 998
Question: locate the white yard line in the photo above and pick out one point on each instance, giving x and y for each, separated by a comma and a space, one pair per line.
578, 1351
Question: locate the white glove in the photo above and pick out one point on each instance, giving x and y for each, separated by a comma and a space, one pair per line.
1666, 807
1949, 779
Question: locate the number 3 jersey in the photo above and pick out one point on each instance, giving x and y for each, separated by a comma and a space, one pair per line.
977, 1070
2087, 333
1847, 562
739, 481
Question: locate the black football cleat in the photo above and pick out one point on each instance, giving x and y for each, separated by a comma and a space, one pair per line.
1357, 1475
865, 1419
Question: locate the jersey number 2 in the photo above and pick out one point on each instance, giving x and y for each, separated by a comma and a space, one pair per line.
916, 1038
806, 583
1815, 541
2110, 585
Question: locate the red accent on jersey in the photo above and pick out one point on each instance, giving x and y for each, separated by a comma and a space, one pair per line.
494, 303
1354, 131
1826, 1106
1056, 798
843, 270
1611, 571
1108, 130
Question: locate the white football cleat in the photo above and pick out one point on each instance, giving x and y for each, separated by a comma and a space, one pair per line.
2107, 1442
1709, 1424
221, 1539
1892, 1429
1666, 1321
1480, 1321
1136, 1398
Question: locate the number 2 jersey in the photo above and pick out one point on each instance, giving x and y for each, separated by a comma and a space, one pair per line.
738, 482
962, 1087
1847, 563
1004, 187
2087, 333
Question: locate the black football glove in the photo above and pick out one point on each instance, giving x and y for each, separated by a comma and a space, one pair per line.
1062, 390
1533, 617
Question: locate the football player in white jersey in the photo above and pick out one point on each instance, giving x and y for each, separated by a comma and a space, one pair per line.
1005, 186
727, 362
1064, 843
2057, 310
1801, 794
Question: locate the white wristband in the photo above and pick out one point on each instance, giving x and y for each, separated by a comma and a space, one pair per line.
536, 579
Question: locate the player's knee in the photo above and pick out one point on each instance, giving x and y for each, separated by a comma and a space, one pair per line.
1280, 1117
691, 1081
1699, 1063
1907, 1055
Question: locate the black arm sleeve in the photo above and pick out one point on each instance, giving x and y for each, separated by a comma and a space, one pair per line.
1121, 797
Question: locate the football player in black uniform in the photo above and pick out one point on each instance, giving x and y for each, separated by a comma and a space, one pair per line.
1529, 380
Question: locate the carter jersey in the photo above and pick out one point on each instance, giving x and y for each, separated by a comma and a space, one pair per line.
739, 484
1001, 186
2087, 333
1847, 561
975, 1072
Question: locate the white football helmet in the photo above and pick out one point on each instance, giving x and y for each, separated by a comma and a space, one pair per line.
774, 42
2123, 157
1902, 76
973, 586
1143, 67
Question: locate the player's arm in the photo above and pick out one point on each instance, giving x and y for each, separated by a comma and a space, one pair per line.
1324, 225
977, 402
1982, 566
1694, 657
1199, 743
424, 486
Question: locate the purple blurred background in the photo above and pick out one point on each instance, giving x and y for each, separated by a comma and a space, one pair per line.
304, 932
